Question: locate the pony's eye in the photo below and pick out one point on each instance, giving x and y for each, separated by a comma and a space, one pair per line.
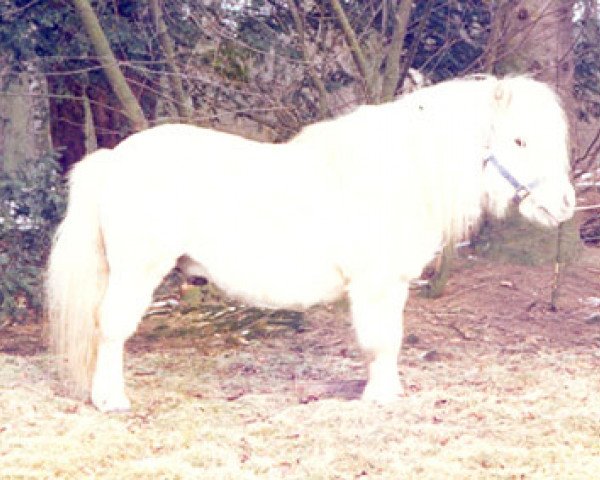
520, 142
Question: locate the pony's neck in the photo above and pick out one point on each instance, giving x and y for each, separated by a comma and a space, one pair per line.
453, 164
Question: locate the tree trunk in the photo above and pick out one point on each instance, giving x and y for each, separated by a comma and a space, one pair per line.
391, 75
24, 124
18, 140
92, 26
539, 41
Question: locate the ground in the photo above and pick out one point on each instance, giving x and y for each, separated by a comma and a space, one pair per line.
498, 386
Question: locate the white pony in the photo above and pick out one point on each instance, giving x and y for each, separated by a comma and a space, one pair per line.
356, 206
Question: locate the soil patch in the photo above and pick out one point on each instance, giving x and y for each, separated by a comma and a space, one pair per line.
497, 386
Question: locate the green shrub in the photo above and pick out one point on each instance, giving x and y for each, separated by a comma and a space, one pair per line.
32, 202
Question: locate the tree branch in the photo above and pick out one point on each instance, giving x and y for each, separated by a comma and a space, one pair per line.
92, 26
357, 53
323, 106
180, 101
412, 51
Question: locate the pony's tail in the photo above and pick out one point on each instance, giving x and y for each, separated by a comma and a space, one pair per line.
77, 273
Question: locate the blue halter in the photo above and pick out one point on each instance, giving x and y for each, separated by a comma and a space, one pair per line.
521, 191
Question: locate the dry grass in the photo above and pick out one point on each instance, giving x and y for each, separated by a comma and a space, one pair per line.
495, 389
519, 417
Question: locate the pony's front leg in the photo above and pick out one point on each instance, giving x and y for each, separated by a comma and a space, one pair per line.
377, 309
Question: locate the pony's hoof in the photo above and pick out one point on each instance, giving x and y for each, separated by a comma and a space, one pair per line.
382, 394
111, 403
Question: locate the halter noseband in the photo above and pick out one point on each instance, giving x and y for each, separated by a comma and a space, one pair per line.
521, 191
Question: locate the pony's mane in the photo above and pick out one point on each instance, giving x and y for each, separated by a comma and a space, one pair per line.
452, 172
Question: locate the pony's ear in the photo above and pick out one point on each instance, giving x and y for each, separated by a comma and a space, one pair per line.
502, 95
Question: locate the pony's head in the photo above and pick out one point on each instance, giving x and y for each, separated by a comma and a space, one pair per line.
528, 158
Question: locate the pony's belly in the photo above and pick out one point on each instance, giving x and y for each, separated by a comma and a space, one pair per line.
276, 283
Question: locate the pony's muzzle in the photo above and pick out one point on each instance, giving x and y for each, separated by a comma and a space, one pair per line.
549, 215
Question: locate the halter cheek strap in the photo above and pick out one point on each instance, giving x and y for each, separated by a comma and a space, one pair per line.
521, 191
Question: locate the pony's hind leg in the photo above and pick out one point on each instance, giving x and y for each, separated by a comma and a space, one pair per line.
125, 301
377, 309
